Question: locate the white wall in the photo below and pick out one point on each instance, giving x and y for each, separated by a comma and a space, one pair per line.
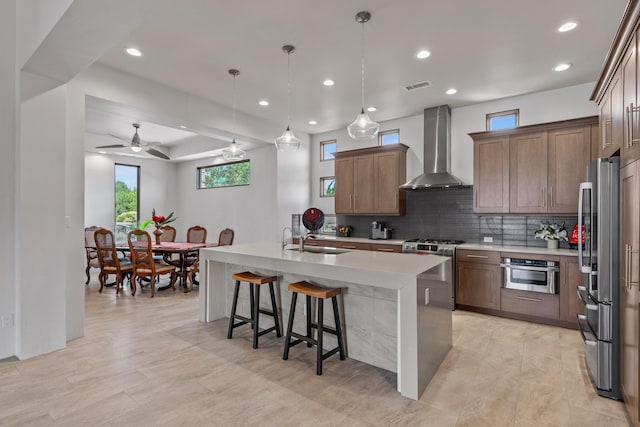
9, 129
560, 104
158, 188
41, 296
250, 210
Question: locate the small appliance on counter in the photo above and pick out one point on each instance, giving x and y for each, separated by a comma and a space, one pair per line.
379, 231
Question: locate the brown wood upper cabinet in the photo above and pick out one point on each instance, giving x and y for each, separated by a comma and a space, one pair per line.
491, 175
368, 180
532, 169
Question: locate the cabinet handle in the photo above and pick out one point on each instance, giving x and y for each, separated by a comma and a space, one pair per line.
354, 200
551, 196
607, 125
350, 201
543, 193
627, 133
529, 299
477, 256
349, 247
630, 280
395, 200
632, 111
385, 250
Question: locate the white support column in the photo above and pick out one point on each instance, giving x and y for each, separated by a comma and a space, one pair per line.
9, 88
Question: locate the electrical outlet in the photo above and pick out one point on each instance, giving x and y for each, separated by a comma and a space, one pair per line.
488, 239
426, 296
7, 320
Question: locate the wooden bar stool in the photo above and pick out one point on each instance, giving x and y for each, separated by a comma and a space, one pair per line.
255, 281
320, 294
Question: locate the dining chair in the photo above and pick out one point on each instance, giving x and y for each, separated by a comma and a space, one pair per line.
168, 234
143, 263
225, 238
91, 251
108, 258
196, 234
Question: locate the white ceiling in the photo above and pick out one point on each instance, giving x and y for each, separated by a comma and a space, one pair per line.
486, 49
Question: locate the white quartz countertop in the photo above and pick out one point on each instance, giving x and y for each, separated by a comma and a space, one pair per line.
331, 238
389, 270
519, 249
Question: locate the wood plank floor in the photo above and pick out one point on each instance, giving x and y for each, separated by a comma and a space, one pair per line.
149, 362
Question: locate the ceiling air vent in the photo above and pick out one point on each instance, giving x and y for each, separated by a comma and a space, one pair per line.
425, 83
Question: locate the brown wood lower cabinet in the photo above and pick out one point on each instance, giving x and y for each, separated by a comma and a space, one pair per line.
385, 248
478, 284
534, 304
479, 279
350, 245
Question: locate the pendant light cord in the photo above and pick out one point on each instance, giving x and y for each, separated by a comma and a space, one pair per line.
362, 91
288, 87
235, 130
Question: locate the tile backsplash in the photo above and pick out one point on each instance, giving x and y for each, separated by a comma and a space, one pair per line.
448, 214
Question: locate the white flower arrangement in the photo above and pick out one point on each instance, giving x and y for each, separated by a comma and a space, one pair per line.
551, 231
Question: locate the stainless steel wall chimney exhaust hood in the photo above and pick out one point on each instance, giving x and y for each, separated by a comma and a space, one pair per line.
437, 149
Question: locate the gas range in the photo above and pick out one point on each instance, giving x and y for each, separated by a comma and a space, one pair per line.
431, 246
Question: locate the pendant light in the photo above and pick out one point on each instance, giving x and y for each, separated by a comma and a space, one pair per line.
363, 127
288, 141
233, 152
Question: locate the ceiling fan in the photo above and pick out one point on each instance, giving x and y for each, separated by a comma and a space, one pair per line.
137, 144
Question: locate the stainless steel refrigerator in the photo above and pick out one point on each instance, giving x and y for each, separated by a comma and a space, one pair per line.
599, 212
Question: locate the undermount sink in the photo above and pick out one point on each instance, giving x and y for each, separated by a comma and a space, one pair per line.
320, 250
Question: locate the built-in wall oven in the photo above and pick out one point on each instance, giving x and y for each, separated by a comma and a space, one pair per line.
530, 274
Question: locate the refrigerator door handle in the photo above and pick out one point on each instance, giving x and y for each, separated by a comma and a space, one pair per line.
584, 186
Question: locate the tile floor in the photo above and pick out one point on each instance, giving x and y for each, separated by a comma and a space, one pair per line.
149, 362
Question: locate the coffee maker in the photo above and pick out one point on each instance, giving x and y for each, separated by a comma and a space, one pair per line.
379, 231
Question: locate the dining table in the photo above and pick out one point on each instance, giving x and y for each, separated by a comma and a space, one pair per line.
183, 249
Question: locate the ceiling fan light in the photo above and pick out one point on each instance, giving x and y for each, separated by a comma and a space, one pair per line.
363, 127
288, 141
233, 152
136, 148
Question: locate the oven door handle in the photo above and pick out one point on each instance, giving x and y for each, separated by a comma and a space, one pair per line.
524, 267
587, 341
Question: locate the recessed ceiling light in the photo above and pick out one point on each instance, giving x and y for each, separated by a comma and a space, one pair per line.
567, 26
183, 127
562, 67
133, 51
263, 102
328, 82
371, 109
313, 122
423, 54
102, 152
451, 91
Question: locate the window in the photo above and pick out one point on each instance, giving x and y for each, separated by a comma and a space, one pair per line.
127, 199
389, 137
327, 149
224, 175
503, 120
328, 186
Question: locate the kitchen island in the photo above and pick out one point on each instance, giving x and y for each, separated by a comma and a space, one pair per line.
394, 306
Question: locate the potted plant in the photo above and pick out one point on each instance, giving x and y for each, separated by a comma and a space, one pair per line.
552, 233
